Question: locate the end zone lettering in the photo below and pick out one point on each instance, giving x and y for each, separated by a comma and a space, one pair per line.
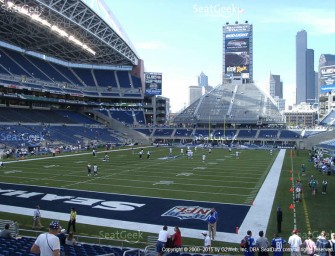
94, 203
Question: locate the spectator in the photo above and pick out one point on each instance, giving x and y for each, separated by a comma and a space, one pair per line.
70, 240
278, 245
162, 240
323, 245
207, 239
47, 244
262, 243
324, 186
332, 244
249, 250
6, 233
62, 236
176, 238
295, 243
309, 245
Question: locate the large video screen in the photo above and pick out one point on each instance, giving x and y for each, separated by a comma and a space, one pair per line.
153, 83
327, 78
237, 53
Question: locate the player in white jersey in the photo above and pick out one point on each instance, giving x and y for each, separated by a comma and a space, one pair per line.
182, 151
170, 151
237, 154
203, 157
95, 170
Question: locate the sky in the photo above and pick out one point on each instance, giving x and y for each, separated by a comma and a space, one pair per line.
182, 38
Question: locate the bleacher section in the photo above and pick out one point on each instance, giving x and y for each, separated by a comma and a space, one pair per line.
268, 134
329, 120
163, 132
123, 78
105, 78
22, 246
247, 134
288, 134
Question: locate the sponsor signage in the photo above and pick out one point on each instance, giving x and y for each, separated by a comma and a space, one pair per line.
327, 88
153, 83
117, 207
237, 35
237, 27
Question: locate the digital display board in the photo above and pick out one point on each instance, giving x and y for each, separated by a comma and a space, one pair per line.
237, 53
153, 83
327, 78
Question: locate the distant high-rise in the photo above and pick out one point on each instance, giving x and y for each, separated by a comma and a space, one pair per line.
276, 91
202, 80
237, 53
195, 92
276, 86
301, 47
305, 74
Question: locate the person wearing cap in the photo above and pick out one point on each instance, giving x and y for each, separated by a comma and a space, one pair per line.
212, 221
47, 244
295, 242
37, 218
72, 221
6, 233
62, 236
207, 239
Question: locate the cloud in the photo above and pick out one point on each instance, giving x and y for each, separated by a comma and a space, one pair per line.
150, 45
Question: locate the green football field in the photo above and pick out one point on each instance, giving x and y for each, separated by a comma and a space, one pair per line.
220, 178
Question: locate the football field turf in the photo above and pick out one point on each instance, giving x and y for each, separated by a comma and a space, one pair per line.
144, 194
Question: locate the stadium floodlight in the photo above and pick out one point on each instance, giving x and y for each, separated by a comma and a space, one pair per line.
59, 31
10, 4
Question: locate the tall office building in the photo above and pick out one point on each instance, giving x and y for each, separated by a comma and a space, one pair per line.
305, 74
311, 94
301, 47
195, 92
237, 53
202, 80
276, 91
276, 86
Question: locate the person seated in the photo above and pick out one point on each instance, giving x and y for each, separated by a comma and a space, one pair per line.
62, 236
70, 240
6, 233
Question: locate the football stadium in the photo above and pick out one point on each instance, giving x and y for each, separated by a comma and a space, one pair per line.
87, 145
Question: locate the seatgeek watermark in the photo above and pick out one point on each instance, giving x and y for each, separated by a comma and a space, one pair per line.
132, 237
9, 6
218, 10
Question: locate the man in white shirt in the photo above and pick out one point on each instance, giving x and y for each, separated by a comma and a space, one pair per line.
47, 244
295, 242
162, 239
207, 239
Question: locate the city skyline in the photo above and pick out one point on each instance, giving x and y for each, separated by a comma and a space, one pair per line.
183, 38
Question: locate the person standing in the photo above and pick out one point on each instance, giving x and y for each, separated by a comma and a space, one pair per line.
295, 243
89, 169
37, 218
279, 219
249, 250
323, 245
47, 244
212, 221
176, 238
262, 243
162, 240
148, 155
278, 244
332, 244
309, 245
95, 170
72, 221
207, 239
324, 186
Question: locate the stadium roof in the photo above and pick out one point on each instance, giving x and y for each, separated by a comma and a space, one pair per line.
68, 30
232, 104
